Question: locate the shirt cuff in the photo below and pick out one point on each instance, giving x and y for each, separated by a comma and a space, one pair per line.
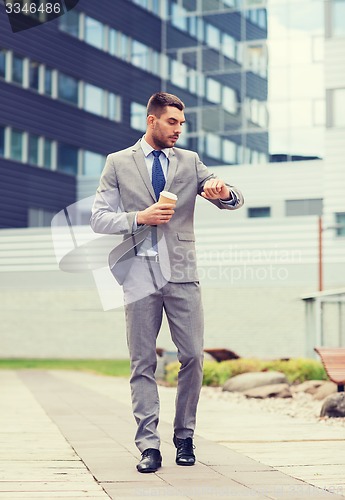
135, 223
231, 202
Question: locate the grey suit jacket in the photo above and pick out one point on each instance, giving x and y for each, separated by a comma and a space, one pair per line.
125, 188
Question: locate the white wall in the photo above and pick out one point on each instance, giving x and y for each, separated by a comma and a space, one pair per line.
262, 185
335, 137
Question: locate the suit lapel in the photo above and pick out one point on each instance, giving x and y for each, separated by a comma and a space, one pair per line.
139, 159
171, 170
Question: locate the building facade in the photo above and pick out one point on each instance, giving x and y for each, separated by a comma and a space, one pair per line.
74, 89
253, 74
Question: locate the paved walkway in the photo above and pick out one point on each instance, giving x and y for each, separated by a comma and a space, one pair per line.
70, 435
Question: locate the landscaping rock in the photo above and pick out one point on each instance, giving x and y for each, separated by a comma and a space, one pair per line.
325, 390
334, 406
269, 391
250, 380
309, 386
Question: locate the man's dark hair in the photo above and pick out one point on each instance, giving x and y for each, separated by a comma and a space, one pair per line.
161, 100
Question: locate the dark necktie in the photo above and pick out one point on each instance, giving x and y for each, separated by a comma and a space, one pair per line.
158, 183
158, 179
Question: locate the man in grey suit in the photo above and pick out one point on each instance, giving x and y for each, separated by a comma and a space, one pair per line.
157, 265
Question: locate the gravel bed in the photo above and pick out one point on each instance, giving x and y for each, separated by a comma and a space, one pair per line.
301, 405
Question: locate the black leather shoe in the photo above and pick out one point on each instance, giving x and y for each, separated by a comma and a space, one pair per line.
151, 460
184, 453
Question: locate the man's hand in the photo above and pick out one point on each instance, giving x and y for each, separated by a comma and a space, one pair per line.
216, 189
156, 214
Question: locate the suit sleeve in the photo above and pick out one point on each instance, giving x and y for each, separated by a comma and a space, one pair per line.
203, 175
108, 215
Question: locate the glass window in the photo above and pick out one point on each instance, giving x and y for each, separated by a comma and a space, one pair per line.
67, 159
33, 149
140, 55
156, 6
259, 212
304, 207
183, 139
252, 15
155, 66
114, 107
2, 63
338, 108
124, 47
338, 18
68, 89
255, 157
229, 151
138, 116
263, 157
262, 18
37, 14
212, 36
193, 26
38, 217
164, 66
229, 46
142, 3
201, 29
93, 164
229, 100
178, 74
213, 90
48, 80
17, 69
93, 99
48, 153
193, 81
94, 32
16, 147
256, 59
340, 220
2, 141
113, 42
69, 23
178, 17
246, 155
34, 75
213, 146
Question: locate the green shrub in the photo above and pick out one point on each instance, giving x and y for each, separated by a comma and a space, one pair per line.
171, 372
296, 370
243, 365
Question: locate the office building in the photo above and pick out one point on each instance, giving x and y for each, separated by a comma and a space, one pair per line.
74, 89
251, 72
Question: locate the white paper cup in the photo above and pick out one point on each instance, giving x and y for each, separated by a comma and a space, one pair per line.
167, 197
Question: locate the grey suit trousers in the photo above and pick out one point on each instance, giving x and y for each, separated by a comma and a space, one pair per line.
183, 308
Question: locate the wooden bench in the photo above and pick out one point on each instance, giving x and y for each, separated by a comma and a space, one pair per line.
333, 359
220, 354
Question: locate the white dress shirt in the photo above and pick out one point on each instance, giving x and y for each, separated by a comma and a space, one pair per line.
146, 248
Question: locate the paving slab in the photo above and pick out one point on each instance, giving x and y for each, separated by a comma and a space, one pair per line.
71, 434
36, 461
263, 440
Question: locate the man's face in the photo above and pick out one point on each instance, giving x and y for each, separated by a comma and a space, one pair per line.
166, 129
